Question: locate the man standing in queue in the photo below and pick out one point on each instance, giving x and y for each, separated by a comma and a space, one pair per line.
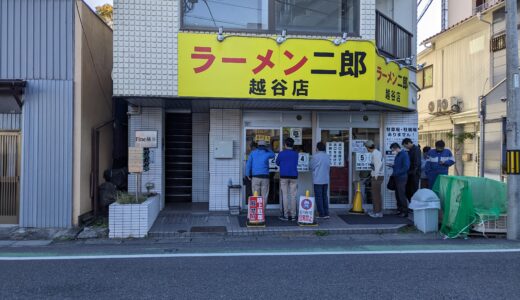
400, 175
288, 162
257, 169
376, 179
439, 161
414, 173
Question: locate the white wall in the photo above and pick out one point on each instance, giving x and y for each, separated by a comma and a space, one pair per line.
151, 118
225, 125
200, 157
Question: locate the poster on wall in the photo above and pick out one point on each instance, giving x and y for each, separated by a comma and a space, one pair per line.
146, 139
396, 134
358, 146
336, 152
303, 162
272, 164
296, 135
363, 161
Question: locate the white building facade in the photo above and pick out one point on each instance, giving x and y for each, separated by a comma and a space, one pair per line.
211, 77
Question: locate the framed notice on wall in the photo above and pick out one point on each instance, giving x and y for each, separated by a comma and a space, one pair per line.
336, 152
146, 139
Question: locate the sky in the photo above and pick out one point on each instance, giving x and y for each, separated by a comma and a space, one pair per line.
94, 3
429, 25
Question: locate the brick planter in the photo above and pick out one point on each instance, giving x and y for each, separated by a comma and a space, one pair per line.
133, 220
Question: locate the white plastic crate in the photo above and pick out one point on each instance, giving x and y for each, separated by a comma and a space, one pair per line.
426, 220
492, 226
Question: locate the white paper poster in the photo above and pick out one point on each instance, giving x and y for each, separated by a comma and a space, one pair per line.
358, 146
336, 152
146, 139
396, 134
363, 161
296, 135
303, 162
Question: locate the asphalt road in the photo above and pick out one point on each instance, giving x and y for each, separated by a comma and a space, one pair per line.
372, 276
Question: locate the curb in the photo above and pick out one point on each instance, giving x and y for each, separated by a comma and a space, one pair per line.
279, 232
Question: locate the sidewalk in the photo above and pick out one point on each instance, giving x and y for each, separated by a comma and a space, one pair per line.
171, 224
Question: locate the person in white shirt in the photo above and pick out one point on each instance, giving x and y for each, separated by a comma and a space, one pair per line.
377, 178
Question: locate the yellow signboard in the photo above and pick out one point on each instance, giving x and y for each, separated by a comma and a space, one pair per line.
302, 69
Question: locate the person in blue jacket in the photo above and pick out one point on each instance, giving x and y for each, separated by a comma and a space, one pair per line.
257, 169
438, 163
400, 174
288, 162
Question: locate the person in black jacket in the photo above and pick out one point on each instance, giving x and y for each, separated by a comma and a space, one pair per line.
414, 173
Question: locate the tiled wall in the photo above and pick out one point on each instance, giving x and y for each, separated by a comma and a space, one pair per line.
392, 120
225, 124
151, 118
145, 47
200, 158
368, 19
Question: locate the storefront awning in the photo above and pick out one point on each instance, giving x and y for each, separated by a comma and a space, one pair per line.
204, 105
11, 95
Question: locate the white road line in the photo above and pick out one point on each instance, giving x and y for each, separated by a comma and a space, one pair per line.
253, 254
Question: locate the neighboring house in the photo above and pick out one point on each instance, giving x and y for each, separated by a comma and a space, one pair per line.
55, 87
463, 80
209, 78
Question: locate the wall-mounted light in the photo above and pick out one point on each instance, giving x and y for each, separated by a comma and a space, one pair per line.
280, 39
338, 41
220, 34
406, 61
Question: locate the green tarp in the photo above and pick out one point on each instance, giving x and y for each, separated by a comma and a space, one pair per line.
469, 200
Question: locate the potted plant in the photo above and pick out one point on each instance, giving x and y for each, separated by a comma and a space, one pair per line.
133, 216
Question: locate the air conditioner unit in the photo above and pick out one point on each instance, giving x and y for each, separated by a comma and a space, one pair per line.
455, 104
445, 105
431, 106
439, 105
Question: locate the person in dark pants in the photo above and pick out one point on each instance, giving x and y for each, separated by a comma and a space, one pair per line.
400, 173
320, 167
424, 177
414, 173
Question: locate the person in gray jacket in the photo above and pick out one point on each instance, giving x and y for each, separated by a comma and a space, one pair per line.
320, 167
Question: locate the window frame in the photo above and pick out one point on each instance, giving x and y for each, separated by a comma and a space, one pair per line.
422, 77
271, 25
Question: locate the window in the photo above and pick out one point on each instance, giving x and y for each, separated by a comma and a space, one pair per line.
498, 43
232, 14
425, 77
295, 16
317, 16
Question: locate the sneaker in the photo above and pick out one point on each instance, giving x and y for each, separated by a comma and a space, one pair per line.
375, 215
326, 217
294, 219
283, 218
403, 215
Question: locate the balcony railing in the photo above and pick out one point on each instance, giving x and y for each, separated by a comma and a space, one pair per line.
484, 6
391, 38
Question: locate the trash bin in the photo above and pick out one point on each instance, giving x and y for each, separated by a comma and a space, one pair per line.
426, 205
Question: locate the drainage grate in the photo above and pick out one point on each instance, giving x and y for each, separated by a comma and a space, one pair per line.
209, 229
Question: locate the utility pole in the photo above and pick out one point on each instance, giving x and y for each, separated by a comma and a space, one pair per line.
513, 118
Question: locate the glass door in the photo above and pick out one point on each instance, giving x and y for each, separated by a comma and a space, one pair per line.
272, 138
361, 159
337, 144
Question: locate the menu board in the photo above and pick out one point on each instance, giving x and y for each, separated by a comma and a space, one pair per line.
336, 152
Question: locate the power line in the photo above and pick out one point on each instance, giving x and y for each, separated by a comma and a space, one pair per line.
424, 10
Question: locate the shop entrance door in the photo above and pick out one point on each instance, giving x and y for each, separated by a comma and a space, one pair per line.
9, 177
272, 138
178, 158
337, 143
